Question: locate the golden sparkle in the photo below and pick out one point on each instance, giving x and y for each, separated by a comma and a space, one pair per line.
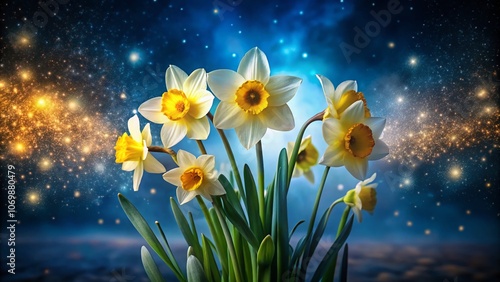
33, 197
455, 172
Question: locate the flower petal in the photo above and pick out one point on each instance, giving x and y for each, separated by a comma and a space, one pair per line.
334, 156
369, 180
355, 113
197, 80
172, 133
197, 129
146, 135
358, 214
328, 88
185, 159
201, 101
332, 130
152, 165
376, 124
215, 188
309, 176
129, 165
250, 132
184, 196
206, 163
173, 176
343, 87
357, 167
175, 77
379, 151
229, 115
151, 110
134, 128
254, 66
224, 84
139, 170
278, 118
281, 89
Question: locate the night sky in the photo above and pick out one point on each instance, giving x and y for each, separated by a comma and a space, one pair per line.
72, 74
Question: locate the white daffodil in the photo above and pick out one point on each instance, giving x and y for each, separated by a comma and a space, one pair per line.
340, 99
307, 158
194, 176
363, 197
132, 151
251, 100
353, 140
182, 109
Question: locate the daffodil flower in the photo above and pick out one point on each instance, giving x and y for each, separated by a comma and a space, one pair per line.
251, 100
132, 151
307, 158
340, 99
363, 197
182, 109
194, 176
353, 140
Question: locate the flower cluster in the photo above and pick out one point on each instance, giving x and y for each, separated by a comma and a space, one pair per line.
250, 101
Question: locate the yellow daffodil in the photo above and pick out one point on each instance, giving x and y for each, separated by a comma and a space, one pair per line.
340, 99
251, 100
182, 109
353, 140
307, 158
132, 151
194, 176
363, 197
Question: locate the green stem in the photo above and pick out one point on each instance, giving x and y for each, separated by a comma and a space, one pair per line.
229, 151
159, 149
318, 199
213, 231
201, 147
229, 241
300, 135
305, 261
260, 176
330, 273
343, 220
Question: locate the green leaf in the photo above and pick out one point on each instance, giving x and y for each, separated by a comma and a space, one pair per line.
280, 214
194, 270
298, 250
150, 266
143, 228
333, 251
220, 241
239, 222
252, 203
265, 254
343, 268
320, 229
183, 224
193, 227
168, 249
231, 196
209, 263
295, 227
269, 201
